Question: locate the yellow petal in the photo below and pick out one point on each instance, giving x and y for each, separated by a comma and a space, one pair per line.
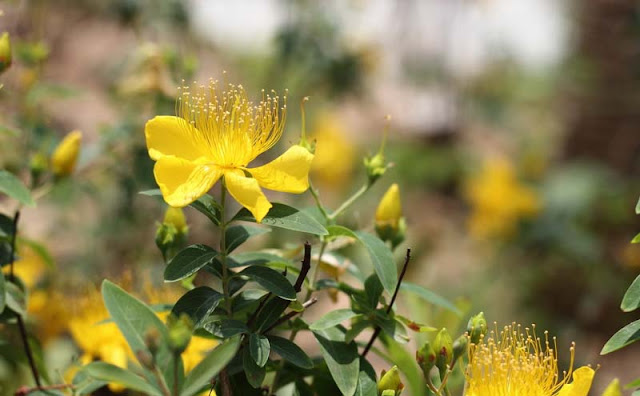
581, 383
288, 173
65, 156
182, 181
247, 192
168, 135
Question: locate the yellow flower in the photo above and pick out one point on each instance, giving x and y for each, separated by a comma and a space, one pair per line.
218, 133
613, 389
499, 201
389, 210
334, 153
5, 52
65, 156
516, 364
175, 217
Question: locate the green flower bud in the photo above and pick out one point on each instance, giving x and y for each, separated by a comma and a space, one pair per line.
426, 358
172, 233
180, 331
443, 347
5, 52
375, 166
390, 381
477, 328
460, 347
38, 165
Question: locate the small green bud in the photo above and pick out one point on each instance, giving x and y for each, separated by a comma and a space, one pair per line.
390, 381
38, 165
180, 331
426, 358
460, 347
443, 347
477, 327
5, 52
172, 233
375, 166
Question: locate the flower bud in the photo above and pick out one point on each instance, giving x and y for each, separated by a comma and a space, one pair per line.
613, 389
443, 347
460, 347
375, 166
390, 225
477, 327
38, 165
5, 52
390, 382
180, 331
172, 233
65, 156
175, 217
426, 358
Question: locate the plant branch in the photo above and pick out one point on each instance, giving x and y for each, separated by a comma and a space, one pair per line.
291, 314
345, 205
25, 390
377, 330
306, 266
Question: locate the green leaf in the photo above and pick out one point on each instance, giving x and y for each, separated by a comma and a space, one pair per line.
290, 352
231, 327
625, 336
210, 366
110, 373
633, 384
15, 298
132, 316
631, 299
271, 280
356, 329
259, 348
342, 359
238, 234
373, 290
638, 207
332, 318
270, 313
287, 217
636, 239
198, 303
206, 204
380, 254
188, 261
367, 382
254, 373
13, 187
430, 297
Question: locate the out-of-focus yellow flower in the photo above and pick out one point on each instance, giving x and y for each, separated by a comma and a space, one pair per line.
49, 308
30, 266
499, 201
389, 210
516, 363
65, 156
5, 52
218, 134
334, 153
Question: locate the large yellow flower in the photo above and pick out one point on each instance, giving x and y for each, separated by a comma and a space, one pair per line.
218, 133
514, 363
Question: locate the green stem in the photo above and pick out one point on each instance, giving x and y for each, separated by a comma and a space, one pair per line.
163, 385
223, 249
345, 205
316, 197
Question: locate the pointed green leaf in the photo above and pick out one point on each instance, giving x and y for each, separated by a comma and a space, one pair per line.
259, 348
429, 296
638, 207
13, 187
625, 336
342, 359
188, 261
113, 374
210, 366
206, 204
332, 318
631, 299
633, 384
271, 280
15, 298
270, 313
636, 239
290, 352
132, 316
198, 303
367, 382
239, 234
284, 216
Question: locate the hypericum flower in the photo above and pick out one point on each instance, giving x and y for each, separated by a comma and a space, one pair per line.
514, 363
217, 134
65, 156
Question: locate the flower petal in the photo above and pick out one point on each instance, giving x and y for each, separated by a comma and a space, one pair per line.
247, 192
288, 173
168, 135
182, 181
581, 383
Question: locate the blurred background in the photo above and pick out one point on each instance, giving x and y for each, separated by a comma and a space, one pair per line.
513, 133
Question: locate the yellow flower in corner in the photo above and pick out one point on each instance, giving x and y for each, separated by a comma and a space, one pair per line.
65, 156
516, 363
216, 134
